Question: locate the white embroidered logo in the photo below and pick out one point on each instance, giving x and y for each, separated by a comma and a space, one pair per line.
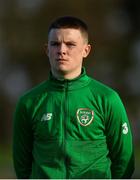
85, 116
46, 117
125, 128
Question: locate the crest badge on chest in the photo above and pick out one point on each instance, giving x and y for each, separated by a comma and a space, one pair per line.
85, 116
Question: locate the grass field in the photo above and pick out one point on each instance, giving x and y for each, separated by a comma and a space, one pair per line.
6, 164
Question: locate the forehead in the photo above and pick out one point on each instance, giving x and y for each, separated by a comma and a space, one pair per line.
65, 33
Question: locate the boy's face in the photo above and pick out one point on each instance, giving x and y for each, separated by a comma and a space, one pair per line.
66, 49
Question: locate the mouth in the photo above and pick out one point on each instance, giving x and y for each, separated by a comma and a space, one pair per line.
61, 60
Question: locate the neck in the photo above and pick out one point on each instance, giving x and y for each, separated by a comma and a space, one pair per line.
68, 76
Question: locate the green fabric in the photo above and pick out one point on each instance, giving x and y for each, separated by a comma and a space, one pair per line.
72, 129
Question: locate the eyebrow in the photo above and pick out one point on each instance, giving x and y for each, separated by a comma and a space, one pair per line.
69, 41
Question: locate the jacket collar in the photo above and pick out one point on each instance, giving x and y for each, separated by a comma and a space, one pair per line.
76, 83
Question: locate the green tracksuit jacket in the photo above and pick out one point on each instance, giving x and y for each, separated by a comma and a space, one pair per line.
72, 129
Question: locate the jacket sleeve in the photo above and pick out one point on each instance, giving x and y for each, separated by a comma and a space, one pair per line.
119, 138
22, 142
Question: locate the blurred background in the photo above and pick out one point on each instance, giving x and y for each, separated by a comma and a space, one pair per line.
114, 27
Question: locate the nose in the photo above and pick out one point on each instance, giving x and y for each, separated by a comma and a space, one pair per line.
62, 49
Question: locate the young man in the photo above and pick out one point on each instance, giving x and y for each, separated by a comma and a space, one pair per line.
71, 126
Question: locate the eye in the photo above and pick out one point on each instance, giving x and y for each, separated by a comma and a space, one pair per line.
55, 43
70, 44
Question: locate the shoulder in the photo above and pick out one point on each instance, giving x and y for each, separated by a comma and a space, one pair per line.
100, 87
105, 96
102, 91
35, 93
36, 90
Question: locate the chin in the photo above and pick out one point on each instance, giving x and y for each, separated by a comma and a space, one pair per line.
63, 69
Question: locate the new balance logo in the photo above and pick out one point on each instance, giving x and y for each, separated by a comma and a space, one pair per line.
46, 117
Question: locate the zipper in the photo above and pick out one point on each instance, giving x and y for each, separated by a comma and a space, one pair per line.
65, 119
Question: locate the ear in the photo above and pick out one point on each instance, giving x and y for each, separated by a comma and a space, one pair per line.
87, 50
46, 48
